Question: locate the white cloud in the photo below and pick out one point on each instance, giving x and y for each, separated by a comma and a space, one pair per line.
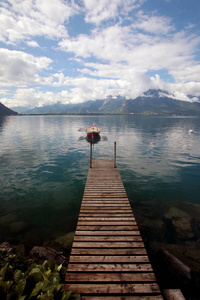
153, 24
32, 44
32, 97
141, 53
121, 45
22, 19
103, 10
20, 68
4, 92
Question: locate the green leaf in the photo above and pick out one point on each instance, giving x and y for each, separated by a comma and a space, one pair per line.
21, 297
20, 286
17, 275
3, 271
68, 295
36, 275
52, 264
59, 268
44, 265
36, 289
62, 273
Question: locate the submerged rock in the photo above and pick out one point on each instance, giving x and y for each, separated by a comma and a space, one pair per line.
153, 229
188, 254
65, 241
19, 226
181, 222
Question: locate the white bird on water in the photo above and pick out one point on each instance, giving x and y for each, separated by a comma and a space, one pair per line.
190, 131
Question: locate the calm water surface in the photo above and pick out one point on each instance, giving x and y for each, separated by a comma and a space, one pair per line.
44, 162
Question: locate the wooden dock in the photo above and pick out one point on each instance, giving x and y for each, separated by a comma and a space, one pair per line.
108, 258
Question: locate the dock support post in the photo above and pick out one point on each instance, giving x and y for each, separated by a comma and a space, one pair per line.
115, 165
90, 155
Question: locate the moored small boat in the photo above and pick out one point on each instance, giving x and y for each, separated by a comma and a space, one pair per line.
93, 131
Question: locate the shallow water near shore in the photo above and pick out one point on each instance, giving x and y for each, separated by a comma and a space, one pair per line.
44, 162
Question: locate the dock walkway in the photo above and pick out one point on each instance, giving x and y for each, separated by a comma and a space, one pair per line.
108, 258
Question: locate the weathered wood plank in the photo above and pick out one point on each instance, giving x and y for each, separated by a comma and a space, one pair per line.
96, 223
106, 219
101, 227
111, 277
107, 232
107, 238
109, 259
137, 267
98, 189
117, 196
102, 200
107, 244
104, 195
117, 200
129, 288
133, 297
105, 206
96, 214
99, 186
107, 251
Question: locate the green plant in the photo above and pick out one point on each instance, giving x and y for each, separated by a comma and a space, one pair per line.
37, 282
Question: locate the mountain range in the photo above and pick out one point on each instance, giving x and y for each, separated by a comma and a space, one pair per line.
5, 111
151, 102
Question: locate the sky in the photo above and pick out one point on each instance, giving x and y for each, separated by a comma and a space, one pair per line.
73, 51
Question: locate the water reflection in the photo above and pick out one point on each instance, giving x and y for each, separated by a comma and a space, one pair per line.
3, 120
93, 140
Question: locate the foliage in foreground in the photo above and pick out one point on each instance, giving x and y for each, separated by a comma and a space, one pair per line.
24, 280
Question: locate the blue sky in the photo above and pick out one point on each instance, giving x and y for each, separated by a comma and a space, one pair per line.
78, 50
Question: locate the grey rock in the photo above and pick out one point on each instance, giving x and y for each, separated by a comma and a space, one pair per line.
40, 254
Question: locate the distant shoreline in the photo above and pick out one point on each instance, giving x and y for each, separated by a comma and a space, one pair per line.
105, 114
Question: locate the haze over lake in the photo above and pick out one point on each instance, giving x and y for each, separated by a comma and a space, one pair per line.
44, 162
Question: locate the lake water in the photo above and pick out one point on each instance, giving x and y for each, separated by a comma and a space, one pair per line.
44, 162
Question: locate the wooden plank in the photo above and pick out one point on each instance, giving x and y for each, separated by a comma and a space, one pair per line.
119, 196
107, 244
111, 277
106, 205
99, 185
137, 267
107, 238
105, 213
96, 223
109, 259
108, 232
133, 297
107, 251
103, 195
106, 219
129, 288
106, 208
105, 200
97, 214
101, 227
102, 200
110, 188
